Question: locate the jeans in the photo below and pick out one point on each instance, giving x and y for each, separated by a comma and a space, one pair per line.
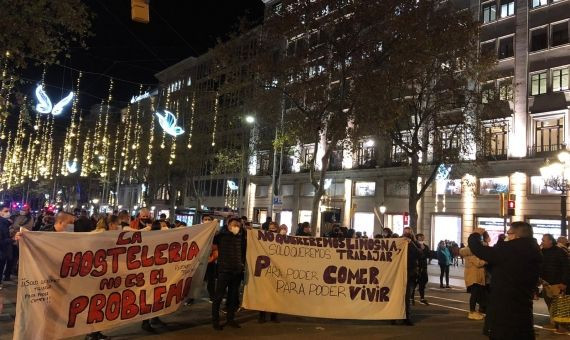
231, 282
477, 297
444, 270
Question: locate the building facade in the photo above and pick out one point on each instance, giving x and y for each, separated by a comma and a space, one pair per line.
531, 41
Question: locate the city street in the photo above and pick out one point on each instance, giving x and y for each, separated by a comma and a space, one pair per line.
445, 318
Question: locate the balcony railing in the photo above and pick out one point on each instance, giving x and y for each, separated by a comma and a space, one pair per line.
541, 150
493, 155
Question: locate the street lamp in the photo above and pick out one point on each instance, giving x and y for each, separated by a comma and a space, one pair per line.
382, 212
555, 175
250, 119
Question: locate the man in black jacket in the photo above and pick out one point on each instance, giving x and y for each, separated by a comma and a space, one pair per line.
231, 263
424, 253
516, 267
5, 239
413, 256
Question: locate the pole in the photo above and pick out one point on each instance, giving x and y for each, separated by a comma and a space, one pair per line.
118, 184
273, 179
563, 198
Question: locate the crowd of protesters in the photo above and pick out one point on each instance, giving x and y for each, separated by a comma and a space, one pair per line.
502, 279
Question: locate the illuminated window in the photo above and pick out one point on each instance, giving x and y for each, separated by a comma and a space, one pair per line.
305, 216
560, 80
538, 3
493, 186
364, 188
507, 8
549, 135
538, 83
537, 187
489, 12
506, 89
364, 223
448, 187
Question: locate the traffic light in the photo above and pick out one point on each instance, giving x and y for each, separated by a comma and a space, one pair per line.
406, 219
511, 205
140, 11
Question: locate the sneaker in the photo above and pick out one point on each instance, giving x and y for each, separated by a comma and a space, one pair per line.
233, 324
424, 301
441, 285
474, 316
447, 286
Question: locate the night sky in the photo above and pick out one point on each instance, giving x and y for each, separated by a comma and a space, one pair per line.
134, 52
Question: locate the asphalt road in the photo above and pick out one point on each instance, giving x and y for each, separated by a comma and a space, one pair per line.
445, 318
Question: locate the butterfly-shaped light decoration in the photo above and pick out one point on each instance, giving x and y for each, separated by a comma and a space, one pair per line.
168, 123
232, 185
71, 167
443, 172
45, 106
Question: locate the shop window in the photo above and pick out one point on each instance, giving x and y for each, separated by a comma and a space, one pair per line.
545, 226
549, 135
507, 8
560, 80
364, 188
537, 187
538, 83
489, 11
446, 228
560, 33
364, 223
286, 217
494, 226
448, 187
493, 186
395, 222
538, 39
261, 191
506, 48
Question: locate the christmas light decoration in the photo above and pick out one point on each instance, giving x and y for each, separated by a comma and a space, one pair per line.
168, 123
45, 106
72, 167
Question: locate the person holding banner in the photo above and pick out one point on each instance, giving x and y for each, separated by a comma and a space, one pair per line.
5, 239
413, 256
231, 264
143, 221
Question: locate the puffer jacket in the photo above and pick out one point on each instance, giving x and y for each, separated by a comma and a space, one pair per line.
474, 268
554, 268
231, 251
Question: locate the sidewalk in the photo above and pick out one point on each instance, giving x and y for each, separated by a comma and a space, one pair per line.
455, 274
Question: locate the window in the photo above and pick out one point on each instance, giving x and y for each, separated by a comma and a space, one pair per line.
538, 3
538, 39
493, 186
488, 48
506, 89
489, 11
261, 191
507, 8
487, 92
307, 189
496, 138
450, 141
364, 223
549, 135
364, 188
537, 187
448, 187
335, 190
559, 33
538, 83
397, 189
287, 189
506, 48
366, 154
560, 79
304, 216
399, 156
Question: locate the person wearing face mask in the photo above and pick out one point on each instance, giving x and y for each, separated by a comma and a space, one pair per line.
231, 263
5, 239
273, 227
124, 219
143, 221
23, 220
424, 253
283, 229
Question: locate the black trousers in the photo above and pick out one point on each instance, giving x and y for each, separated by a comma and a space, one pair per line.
477, 297
444, 270
421, 283
3, 261
409, 290
211, 280
230, 282
11, 262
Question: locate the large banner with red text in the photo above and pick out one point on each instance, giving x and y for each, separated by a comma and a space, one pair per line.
326, 277
77, 283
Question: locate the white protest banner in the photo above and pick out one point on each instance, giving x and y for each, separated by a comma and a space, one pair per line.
326, 277
77, 283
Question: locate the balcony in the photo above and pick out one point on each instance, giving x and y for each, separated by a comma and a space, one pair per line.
544, 150
493, 155
399, 158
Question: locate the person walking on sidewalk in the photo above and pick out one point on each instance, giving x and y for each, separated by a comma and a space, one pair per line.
424, 253
444, 260
516, 267
475, 282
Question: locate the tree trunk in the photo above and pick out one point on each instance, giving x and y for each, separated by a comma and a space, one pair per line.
413, 196
319, 185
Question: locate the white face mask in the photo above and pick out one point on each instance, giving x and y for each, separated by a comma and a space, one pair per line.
283, 232
234, 230
5, 214
70, 228
22, 212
